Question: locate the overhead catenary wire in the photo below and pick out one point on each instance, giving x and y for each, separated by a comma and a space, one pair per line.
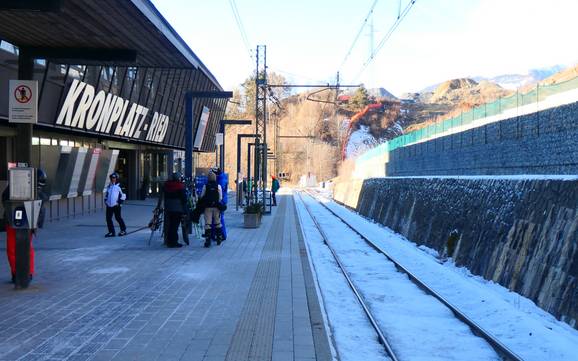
241, 28
358, 34
382, 42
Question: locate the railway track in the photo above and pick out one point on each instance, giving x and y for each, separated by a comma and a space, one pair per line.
504, 352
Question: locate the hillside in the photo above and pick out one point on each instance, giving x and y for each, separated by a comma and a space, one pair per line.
318, 131
418, 110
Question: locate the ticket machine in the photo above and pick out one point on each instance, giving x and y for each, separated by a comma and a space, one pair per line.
23, 210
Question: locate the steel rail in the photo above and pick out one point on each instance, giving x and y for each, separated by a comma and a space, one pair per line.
498, 346
380, 336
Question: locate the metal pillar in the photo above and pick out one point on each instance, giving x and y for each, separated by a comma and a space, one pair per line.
189, 106
23, 154
253, 181
23, 141
239, 180
261, 115
222, 128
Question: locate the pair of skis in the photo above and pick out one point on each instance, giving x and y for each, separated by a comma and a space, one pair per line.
156, 222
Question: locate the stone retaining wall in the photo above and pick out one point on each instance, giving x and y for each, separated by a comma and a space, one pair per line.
544, 142
520, 233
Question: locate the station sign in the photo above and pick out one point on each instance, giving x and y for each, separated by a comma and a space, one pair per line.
219, 139
23, 103
85, 109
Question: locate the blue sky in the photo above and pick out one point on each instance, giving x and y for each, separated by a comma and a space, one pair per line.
438, 40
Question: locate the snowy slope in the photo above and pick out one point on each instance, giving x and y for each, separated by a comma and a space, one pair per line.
360, 141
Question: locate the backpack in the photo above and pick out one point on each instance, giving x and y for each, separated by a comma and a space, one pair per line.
211, 195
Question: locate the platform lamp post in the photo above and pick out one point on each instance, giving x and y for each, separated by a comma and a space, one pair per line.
190, 102
191, 99
222, 124
239, 179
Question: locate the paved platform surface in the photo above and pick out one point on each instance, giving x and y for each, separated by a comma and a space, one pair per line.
95, 298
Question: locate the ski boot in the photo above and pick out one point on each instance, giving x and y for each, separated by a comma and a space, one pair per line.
219, 236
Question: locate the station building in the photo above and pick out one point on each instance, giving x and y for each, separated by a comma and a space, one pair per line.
112, 77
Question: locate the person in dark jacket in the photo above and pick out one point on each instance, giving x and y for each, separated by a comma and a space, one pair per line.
211, 197
175, 204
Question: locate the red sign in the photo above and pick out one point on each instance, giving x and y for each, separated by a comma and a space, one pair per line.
23, 94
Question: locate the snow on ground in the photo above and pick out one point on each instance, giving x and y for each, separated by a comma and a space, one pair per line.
417, 325
355, 339
359, 142
529, 331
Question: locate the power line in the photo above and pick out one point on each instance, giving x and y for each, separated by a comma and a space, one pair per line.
358, 34
241, 27
386, 37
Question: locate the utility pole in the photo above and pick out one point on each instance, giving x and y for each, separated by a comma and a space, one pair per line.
277, 158
261, 118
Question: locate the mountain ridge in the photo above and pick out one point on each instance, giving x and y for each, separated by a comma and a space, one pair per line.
511, 81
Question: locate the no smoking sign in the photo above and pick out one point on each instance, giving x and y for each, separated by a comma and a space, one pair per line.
23, 107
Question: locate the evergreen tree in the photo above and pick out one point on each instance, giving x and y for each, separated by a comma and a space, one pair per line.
359, 100
243, 102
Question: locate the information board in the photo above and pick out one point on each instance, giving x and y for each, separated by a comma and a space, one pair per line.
219, 140
22, 184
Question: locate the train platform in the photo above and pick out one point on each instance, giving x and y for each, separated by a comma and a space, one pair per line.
96, 298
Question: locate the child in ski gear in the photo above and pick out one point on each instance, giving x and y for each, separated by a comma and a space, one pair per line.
113, 199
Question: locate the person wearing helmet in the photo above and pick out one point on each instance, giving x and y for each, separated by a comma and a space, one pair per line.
113, 199
175, 204
211, 197
11, 232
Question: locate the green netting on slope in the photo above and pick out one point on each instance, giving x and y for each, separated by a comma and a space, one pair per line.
539, 93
